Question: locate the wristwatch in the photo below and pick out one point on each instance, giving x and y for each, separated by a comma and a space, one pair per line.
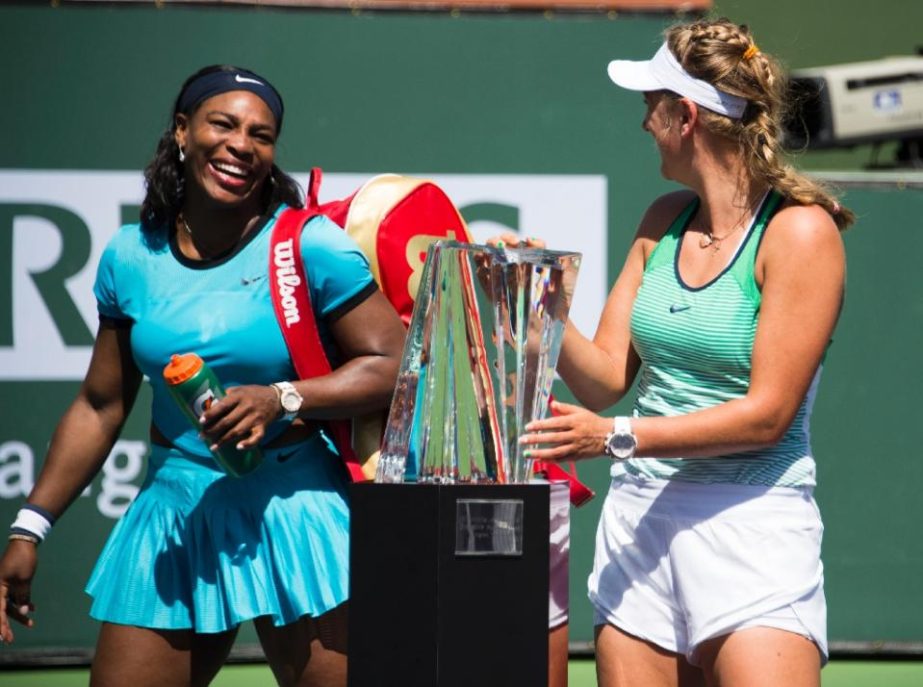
289, 398
621, 441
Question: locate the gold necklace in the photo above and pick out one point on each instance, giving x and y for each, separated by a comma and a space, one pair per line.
714, 242
709, 240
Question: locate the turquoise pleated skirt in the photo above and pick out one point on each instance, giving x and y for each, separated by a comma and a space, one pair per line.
200, 550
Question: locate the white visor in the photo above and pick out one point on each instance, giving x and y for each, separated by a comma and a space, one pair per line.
664, 73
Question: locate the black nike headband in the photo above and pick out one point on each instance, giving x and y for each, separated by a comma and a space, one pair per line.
218, 82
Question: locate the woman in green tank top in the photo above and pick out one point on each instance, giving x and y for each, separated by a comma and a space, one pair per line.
722, 312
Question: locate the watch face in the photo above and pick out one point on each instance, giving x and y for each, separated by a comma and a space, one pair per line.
622, 446
291, 401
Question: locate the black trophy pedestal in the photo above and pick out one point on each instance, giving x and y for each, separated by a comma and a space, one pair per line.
440, 596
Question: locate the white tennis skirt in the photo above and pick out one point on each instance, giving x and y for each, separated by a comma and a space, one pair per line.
678, 563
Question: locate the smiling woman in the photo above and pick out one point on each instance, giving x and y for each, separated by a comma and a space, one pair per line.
229, 147
215, 165
199, 551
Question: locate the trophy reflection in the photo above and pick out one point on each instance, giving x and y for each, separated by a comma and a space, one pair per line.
478, 364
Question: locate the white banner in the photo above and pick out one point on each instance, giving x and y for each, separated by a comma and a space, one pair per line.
58, 217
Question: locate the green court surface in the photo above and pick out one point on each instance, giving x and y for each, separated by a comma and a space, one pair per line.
581, 673
836, 674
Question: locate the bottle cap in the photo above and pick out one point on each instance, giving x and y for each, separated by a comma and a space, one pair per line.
181, 368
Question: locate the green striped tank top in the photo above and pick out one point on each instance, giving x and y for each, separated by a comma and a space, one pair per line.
695, 345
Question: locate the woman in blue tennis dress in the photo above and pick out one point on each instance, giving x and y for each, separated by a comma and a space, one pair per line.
200, 551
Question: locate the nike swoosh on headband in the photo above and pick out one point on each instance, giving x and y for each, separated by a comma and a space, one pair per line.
243, 79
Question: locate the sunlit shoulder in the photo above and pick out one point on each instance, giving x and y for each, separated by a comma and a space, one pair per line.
803, 228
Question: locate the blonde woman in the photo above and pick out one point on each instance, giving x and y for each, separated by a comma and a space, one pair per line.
707, 566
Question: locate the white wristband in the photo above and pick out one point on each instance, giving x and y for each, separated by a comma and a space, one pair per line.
29, 520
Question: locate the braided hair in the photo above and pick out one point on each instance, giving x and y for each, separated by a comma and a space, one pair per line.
725, 55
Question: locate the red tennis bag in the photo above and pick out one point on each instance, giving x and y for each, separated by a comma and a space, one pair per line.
394, 219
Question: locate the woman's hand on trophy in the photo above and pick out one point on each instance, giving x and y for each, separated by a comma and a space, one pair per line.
572, 433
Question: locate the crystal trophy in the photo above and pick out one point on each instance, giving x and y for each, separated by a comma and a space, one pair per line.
478, 363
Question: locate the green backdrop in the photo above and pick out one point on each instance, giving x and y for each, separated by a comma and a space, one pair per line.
90, 88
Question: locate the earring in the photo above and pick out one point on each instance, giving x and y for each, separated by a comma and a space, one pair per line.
182, 155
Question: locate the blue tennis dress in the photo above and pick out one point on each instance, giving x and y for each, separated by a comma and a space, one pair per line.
198, 549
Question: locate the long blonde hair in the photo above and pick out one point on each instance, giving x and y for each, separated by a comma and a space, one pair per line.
725, 55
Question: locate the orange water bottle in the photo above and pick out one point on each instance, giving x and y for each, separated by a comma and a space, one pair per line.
195, 388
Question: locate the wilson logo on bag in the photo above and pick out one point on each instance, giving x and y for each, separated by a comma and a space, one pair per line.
394, 219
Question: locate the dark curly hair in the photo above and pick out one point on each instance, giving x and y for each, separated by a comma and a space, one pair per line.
163, 176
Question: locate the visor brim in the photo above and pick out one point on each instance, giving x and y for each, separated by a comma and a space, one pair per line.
633, 75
